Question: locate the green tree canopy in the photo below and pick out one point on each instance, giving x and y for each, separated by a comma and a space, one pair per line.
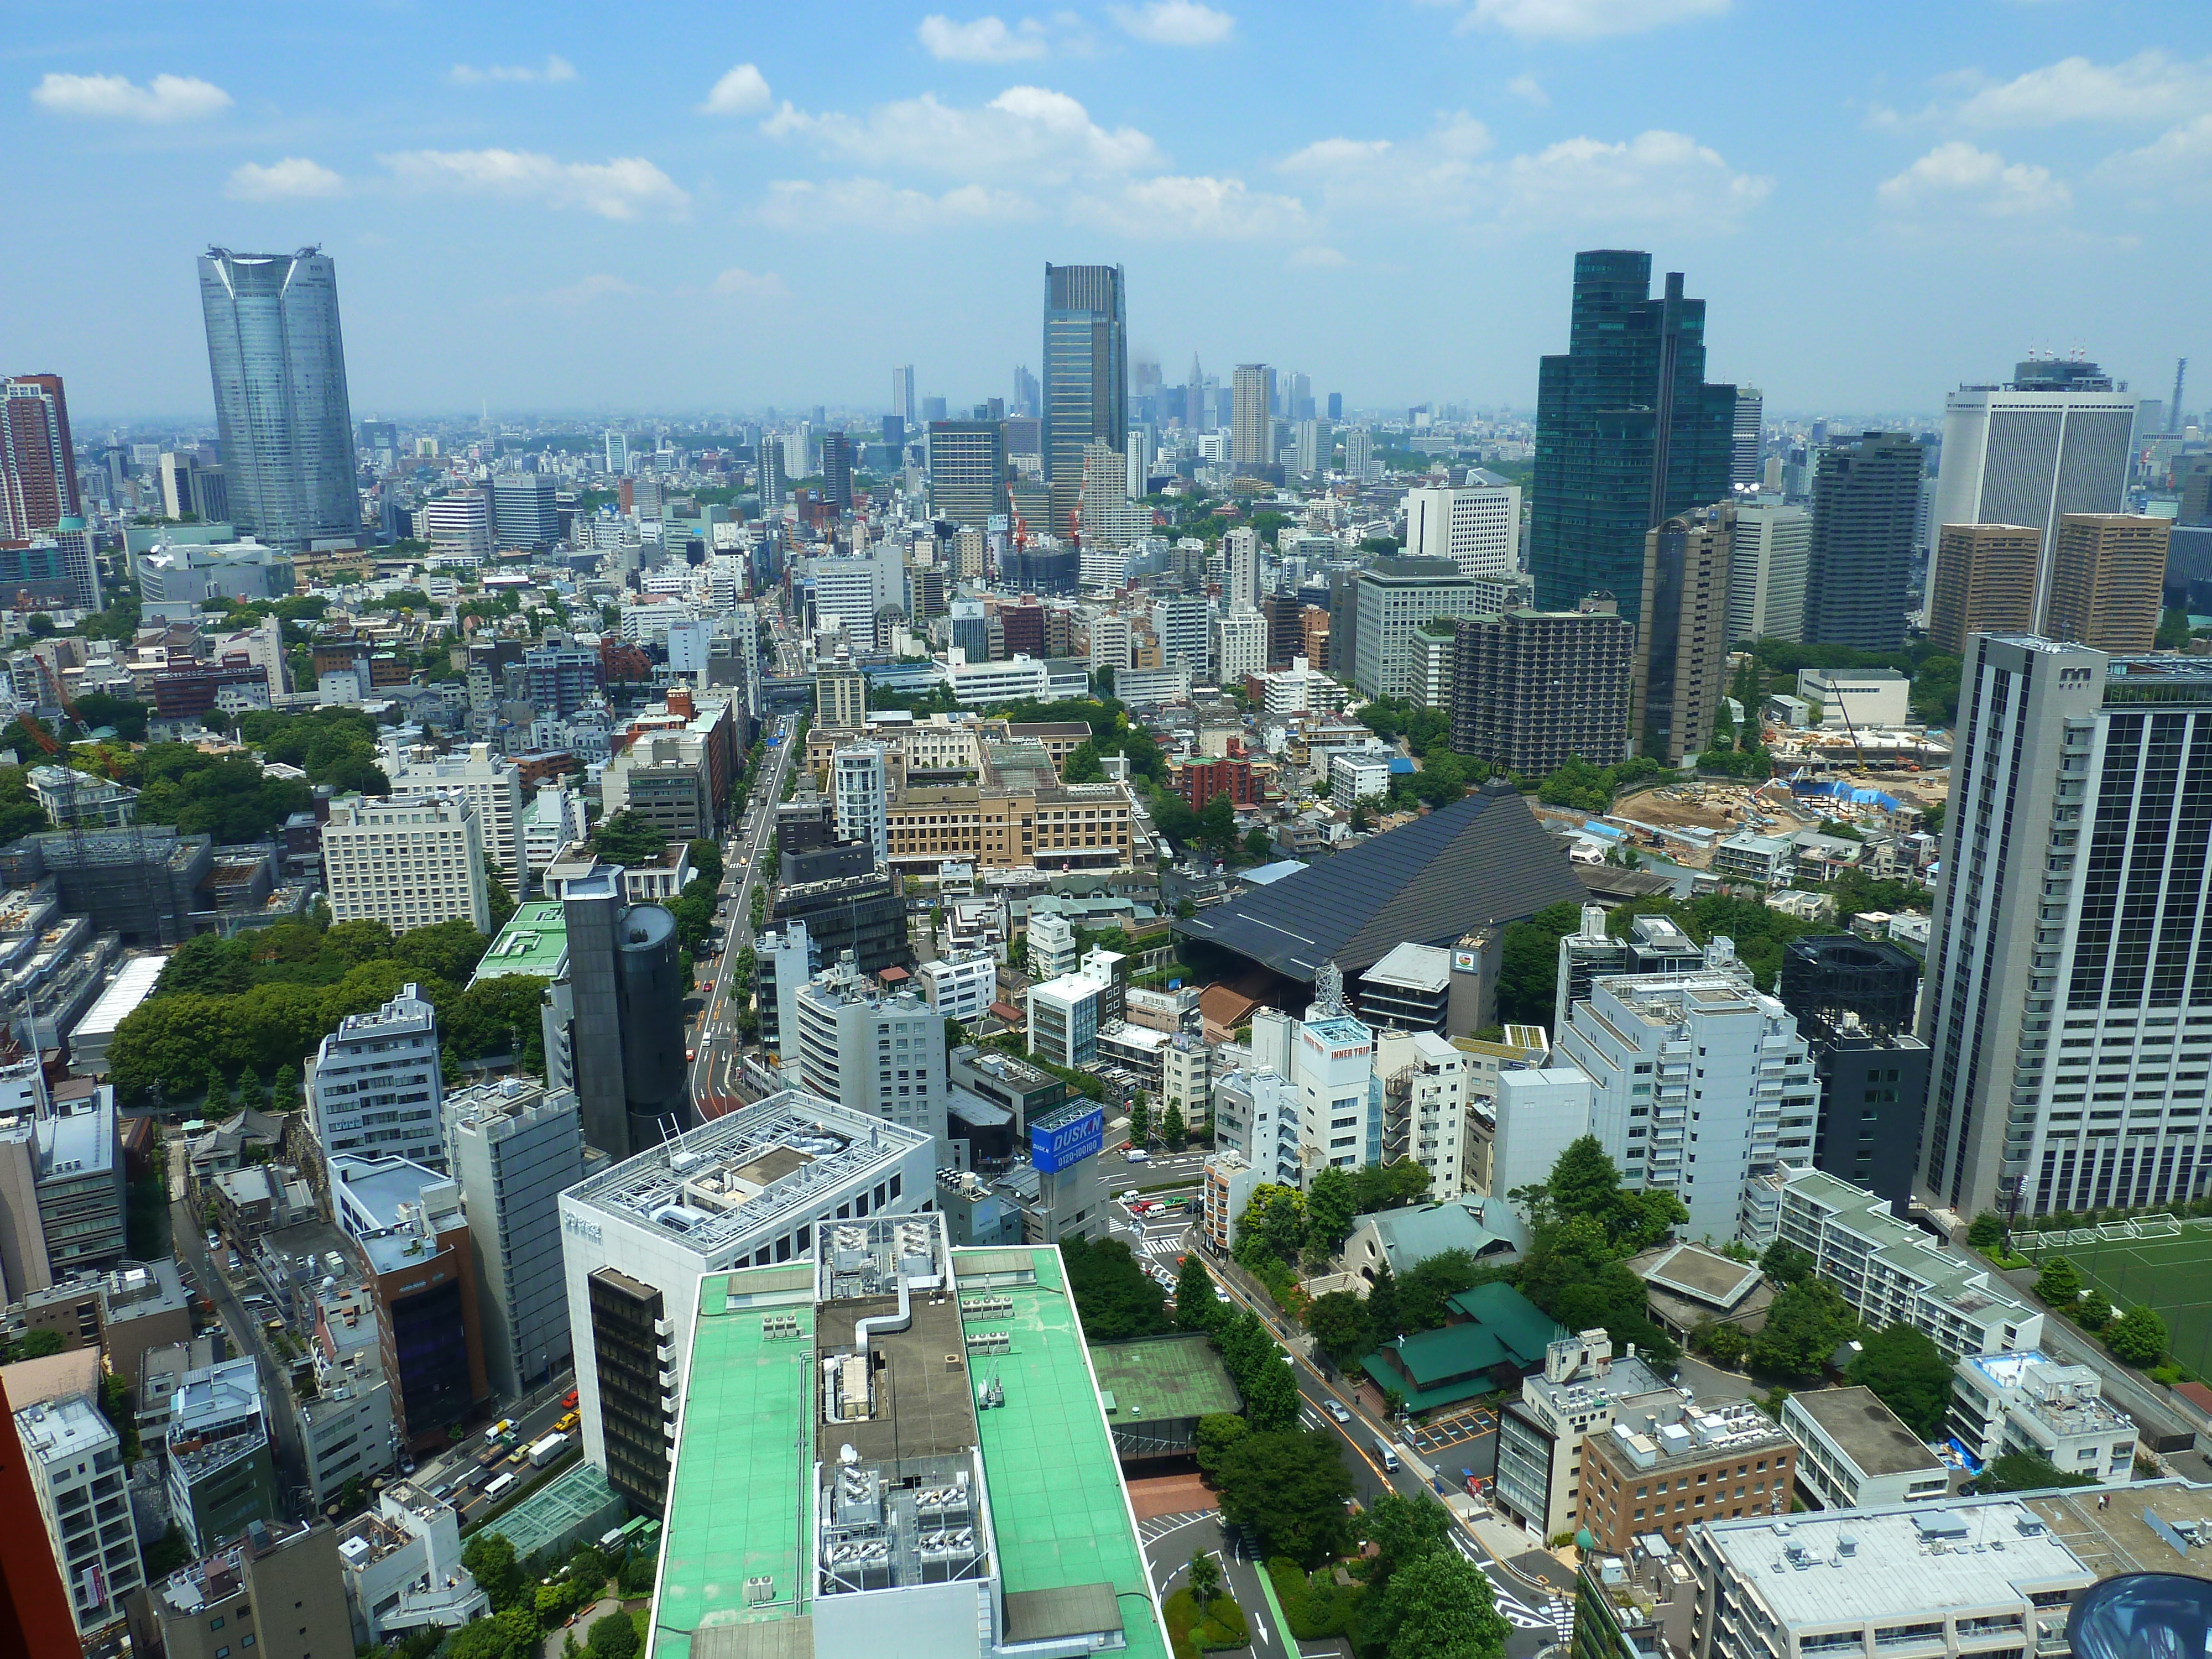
706, 854
1785, 1264
613, 1636
2025, 1471
2137, 1337
1114, 1296
1403, 1529
1341, 1329
1529, 965
1805, 1324
489, 1557
1288, 1488
2059, 1283
1195, 1307
627, 839
1909, 1374
1331, 1208
1441, 1605
1217, 1432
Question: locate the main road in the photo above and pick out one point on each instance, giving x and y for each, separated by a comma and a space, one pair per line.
715, 1041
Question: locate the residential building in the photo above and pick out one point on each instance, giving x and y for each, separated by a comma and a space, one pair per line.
1087, 377
840, 697
1858, 1455
1179, 623
967, 470
418, 1264
1423, 1080
974, 1447
1187, 1078
1251, 422
1229, 1182
1109, 641
374, 1087
875, 1053
559, 676
282, 414
1395, 597
75, 1460
2032, 450
1531, 688
1655, 945
554, 819
1063, 1019
524, 510
515, 1148
1866, 515
61, 1182
1582, 1390
1682, 648
2080, 767
1854, 999
784, 960
460, 526
1052, 946
2023, 1402
1240, 646
38, 458
1536, 1113
637, 1241
860, 793
1698, 1462
1983, 582
2107, 581
1892, 1273
345, 1425
1628, 433
961, 987
1477, 526
847, 592
1357, 774
221, 1473
402, 1563
407, 861
279, 1588
490, 781
1240, 569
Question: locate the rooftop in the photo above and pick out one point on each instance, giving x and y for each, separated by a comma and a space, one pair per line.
1871, 1434
1410, 1235
59, 1430
1408, 966
1662, 1436
534, 941
1157, 1378
1702, 1274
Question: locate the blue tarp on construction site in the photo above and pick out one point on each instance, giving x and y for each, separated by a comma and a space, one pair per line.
1841, 791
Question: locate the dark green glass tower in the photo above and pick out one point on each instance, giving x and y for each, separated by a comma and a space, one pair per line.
1628, 433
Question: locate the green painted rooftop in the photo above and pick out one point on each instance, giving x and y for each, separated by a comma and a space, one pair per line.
534, 941
1159, 1378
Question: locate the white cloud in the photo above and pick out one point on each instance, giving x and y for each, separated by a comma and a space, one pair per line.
554, 71
292, 178
1031, 133
1336, 155
111, 97
1657, 177
619, 189
601, 285
743, 284
1433, 173
2179, 157
1957, 175
1316, 258
2149, 87
1198, 206
1585, 20
802, 205
743, 91
986, 41
1530, 90
1174, 24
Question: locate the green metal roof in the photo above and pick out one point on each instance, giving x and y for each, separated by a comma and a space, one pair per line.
1524, 1328
534, 941
1159, 1378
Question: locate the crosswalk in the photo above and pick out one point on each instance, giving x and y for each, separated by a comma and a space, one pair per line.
1165, 1248
1558, 1616
1160, 1525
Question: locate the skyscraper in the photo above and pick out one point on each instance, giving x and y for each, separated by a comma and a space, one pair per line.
1087, 377
523, 508
968, 473
1628, 432
837, 471
1984, 583
1251, 422
2107, 581
278, 366
1866, 505
2071, 921
618, 449
38, 470
1681, 649
1750, 407
2053, 441
1767, 568
903, 393
1335, 406
1476, 527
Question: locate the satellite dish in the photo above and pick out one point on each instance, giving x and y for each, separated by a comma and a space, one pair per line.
2143, 1615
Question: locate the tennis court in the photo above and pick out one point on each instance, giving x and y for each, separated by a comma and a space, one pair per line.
2157, 1261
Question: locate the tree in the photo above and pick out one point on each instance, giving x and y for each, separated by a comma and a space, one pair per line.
1256, 844
165, 1554
2020, 1471
614, 1637
1193, 1295
1725, 1345
1173, 1130
1082, 765
1217, 1432
1908, 1374
1341, 1329
40, 1344
1114, 1297
1528, 964
706, 854
1330, 1211
1805, 1325
1382, 1306
509, 1634
1140, 1121
2059, 1283
1288, 1489
1785, 1264
2094, 1310
490, 1558
1987, 1231
2138, 1337
1402, 1530
625, 838
1205, 1579
1440, 1605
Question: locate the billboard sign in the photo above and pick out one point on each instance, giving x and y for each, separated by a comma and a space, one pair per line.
1064, 1138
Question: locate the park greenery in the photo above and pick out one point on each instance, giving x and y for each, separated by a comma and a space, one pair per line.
2137, 1337
534, 1599
1114, 1297
1582, 1227
1282, 1227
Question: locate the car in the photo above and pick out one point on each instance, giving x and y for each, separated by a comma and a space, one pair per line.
214, 1241
1335, 1408
567, 1423
1129, 1197
406, 1465
569, 1401
1135, 1155
691, 1053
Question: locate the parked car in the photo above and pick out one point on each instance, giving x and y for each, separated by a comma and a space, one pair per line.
214, 1241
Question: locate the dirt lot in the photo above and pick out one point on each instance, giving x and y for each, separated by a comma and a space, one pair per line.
1169, 1494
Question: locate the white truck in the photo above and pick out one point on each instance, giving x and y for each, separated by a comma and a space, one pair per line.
545, 1451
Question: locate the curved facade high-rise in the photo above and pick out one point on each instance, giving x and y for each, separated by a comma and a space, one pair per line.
278, 364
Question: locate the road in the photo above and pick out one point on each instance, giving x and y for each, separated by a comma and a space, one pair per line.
746, 857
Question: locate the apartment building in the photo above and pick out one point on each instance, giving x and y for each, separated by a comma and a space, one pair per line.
75, 1465
1666, 1467
374, 1087
1858, 1455
277, 1592
1582, 1388
490, 782
221, 1471
2024, 1401
408, 862
878, 1053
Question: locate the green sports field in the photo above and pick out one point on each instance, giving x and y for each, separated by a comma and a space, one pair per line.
2172, 1274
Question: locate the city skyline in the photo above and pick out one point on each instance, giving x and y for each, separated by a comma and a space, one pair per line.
615, 220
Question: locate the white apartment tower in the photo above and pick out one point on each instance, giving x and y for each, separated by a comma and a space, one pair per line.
374, 1089
1240, 646
460, 525
1476, 527
1240, 560
490, 781
1109, 641
860, 795
882, 1055
75, 1465
408, 860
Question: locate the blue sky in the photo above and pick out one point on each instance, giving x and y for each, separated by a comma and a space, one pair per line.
674, 207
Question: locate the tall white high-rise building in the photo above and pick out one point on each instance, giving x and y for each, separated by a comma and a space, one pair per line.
1743, 462
1769, 557
1179, 623
1476, 527
460, 525
374, 1087
515, 1149
1309, 440
1360, 461
75, 1461
410, 861
1251, 420
1139, 454
902, 403
860, 795
880, 1054
1240, 646
1240, 561
2070, 949
849, 590
617, 452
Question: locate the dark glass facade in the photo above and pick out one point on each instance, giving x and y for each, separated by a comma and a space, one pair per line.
1086, 378
627, 1351
1866, 510
431, 1339
1628, 433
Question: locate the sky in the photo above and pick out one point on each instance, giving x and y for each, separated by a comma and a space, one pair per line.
672, 209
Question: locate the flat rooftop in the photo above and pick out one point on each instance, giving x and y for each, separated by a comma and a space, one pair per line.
1159, 1378
534, 941
1870, 1434
2119, 1539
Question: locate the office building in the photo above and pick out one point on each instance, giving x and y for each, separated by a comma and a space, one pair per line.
278, 366
616, 445
837, 472
1179, 623
1770, 562
221, 1472
961, 987
490, 781
750, 1188
771, 474
2107, 581
614, 1025
959, 1493
1532, 688
1891, 1272
2026, 1402
514, 1149
1395, 597
1820, 1583
904, 408
37, 466
1582, 1389
1682, 648
344, 1423
1251, 424
1700, 1461
1857, 1455
1240, 566
876, 1053
2068, 914
1360, 461
524, 510
191, 488
1240, 646
1866, 515
56, 569
784, 960
1064, 1014
61, 1182
967, 469
1854, 999
860, 794
279, 1588
75, 1461
2053, 441
460, 526
374, 1088
848, 902
1086, 378
408, 862
1983, 582
1476, 527
1628, 433
848, 594
840, 697
1743, 456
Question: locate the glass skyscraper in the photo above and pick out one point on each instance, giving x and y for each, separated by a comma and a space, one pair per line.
1628, 433
1087, 377
278, 364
